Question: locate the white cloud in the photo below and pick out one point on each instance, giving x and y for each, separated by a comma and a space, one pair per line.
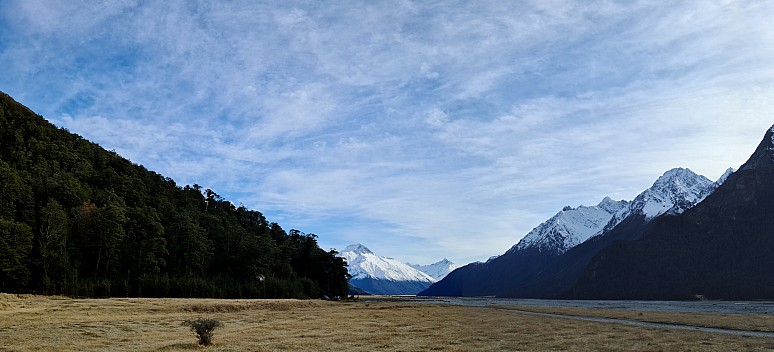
422, 130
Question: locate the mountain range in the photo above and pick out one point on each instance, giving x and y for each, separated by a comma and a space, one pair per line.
722, 248
387, 276
549, 260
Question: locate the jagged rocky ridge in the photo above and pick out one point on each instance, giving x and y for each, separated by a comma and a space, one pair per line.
570, 227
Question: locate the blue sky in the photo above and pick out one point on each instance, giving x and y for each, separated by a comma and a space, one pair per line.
421, 129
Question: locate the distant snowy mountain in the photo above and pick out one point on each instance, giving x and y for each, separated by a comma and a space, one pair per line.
437, 270
570, 227
382, 275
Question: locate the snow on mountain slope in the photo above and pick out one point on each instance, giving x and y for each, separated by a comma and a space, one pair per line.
724, 177
674, 192
437, 270
771, 148
570, 227
364, 264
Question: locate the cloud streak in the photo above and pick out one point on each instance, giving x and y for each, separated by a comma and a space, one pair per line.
421, 129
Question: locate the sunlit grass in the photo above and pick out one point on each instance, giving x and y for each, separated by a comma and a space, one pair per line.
32, 323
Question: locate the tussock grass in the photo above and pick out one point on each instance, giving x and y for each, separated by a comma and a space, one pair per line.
56, 324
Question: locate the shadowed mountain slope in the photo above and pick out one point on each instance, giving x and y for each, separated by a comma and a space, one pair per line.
722, 248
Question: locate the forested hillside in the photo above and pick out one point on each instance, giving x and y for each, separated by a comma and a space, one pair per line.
76, 219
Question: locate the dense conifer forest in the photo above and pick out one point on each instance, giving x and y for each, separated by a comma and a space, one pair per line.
78, 220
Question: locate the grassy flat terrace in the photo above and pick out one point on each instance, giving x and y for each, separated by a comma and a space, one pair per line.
34, 323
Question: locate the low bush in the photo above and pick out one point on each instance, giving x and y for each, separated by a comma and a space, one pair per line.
203, 329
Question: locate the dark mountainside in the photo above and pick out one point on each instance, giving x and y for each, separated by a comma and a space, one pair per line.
723, 248
78, 220
388, 287
562, 272
357, 291
494, 277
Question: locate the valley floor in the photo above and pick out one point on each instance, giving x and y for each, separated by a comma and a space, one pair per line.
33, 323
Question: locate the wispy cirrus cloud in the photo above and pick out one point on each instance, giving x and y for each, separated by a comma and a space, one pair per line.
420, 129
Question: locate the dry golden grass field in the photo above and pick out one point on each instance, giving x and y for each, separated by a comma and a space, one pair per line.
34, 323
752, 322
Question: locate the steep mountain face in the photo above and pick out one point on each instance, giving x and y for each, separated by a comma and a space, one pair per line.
674, 192
570, 227
721, 248
724, 177
437, 270
381, 275
551, 257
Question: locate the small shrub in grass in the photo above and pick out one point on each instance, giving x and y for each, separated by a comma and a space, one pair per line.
203, 329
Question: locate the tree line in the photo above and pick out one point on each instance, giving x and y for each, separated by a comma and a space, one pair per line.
78, 220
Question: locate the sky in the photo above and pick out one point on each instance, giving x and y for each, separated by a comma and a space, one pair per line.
421, 129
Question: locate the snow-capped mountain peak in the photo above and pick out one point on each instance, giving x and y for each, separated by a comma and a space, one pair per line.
570, 227
677, 190
357, 248
437, 270
611, 205
674, 192
364, 264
